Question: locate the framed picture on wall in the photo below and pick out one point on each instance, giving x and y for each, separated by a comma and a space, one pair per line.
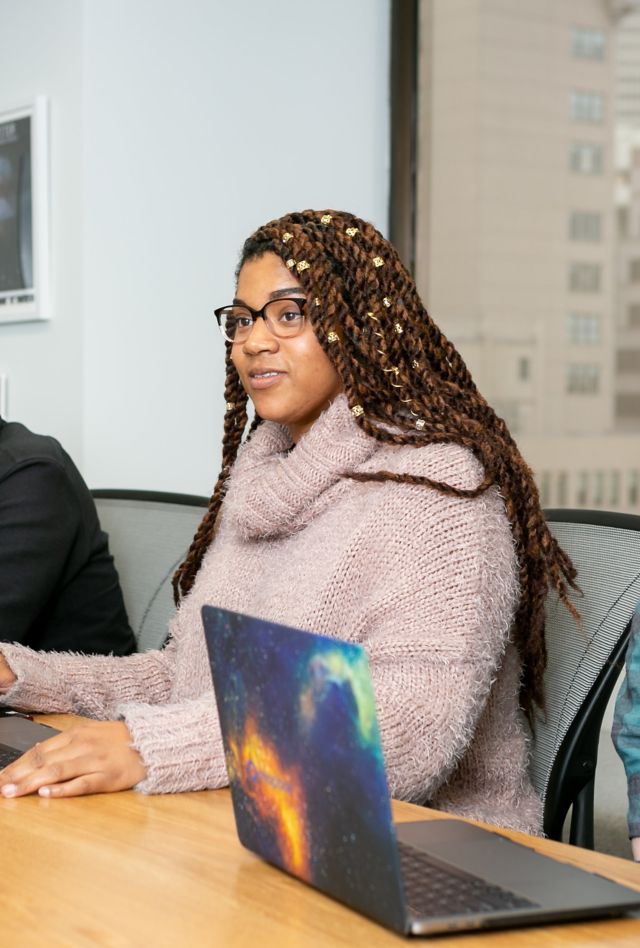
24, 213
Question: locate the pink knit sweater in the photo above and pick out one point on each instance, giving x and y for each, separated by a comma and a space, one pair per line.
427, 583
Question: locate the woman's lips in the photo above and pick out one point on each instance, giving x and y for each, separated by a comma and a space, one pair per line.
264, 379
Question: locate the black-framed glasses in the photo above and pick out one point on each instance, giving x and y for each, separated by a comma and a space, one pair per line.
283, 317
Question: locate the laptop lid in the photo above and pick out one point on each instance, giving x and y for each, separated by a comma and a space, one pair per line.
315, 806
310, 795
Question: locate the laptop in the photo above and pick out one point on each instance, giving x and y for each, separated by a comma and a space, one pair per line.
310, 796
18, 733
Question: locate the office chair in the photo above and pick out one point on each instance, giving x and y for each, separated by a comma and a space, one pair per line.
584, 663
149, 534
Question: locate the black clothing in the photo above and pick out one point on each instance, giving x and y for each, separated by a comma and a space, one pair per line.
59, 588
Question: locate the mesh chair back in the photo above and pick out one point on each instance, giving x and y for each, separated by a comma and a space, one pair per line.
149, 534
605, 548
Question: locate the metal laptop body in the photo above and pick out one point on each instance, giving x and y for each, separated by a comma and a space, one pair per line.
17, 735
310, 795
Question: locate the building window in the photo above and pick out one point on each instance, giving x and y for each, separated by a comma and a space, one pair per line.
584, 277
586, 158
634, 316
586, 107
628, 360
598, 494
563, 481
585, 225
545, 488
587, 44
614, 496
524, 369
628, 407
582, 494
634, 270
583, 328
583, 379
634, 488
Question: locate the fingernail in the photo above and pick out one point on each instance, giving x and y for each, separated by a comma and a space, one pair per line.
9, 790
44, 792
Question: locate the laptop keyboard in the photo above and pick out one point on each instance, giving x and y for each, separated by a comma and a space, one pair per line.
8, 755
434, 889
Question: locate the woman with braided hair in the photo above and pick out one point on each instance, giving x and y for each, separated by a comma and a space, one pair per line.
374, 496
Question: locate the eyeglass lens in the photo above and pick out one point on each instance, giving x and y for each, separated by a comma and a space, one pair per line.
283, 318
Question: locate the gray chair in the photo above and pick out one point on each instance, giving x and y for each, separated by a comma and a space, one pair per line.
149, 534
584, 662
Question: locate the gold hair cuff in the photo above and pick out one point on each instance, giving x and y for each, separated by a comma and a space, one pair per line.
229, 406
387, 302
303, 265
286, 237
325, 219
357, 410
398, 328
333, 337
420, 423
351, 231
291, 263
378, 262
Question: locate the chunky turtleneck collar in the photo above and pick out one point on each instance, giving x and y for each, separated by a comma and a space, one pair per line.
275, 491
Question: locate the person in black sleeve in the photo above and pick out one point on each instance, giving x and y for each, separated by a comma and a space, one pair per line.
59, 588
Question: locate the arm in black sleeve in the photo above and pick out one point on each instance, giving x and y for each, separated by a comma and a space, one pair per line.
39, 519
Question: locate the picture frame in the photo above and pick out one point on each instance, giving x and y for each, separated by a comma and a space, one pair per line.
24, 213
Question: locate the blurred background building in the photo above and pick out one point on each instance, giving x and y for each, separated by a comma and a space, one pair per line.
528, 226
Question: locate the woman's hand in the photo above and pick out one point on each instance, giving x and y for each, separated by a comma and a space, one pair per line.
7, 678
91, 757
635, 848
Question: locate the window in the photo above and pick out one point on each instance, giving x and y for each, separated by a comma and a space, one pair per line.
634, 270
583, 379
598, 494
587, 44
524, 368
585, 225
583, 328
583, 489
634, 488
563, 481
586, 158
634, 316
628, 407
614, 496
628, 360
545, 488
586, 107
584, 277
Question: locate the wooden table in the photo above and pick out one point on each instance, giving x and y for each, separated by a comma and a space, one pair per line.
128, 870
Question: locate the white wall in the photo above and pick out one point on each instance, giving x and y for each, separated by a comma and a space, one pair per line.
200, 120
41, 52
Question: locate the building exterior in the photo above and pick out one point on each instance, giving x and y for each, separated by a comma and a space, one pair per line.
517, 243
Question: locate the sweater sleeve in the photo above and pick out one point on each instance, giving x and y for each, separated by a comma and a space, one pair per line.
438, 632
92, 686
626, 724
180, 745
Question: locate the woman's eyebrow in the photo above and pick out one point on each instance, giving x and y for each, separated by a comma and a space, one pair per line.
276, 295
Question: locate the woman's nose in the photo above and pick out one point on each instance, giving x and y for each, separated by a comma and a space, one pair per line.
260, 338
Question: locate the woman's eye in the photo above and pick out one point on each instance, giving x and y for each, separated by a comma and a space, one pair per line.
290, 316
242, 322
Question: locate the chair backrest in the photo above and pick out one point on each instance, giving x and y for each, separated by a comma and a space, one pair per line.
584, 662
149, 534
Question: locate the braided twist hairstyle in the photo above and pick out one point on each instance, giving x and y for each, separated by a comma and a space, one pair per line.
405, 384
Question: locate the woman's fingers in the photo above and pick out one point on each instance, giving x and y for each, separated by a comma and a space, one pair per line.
92, 757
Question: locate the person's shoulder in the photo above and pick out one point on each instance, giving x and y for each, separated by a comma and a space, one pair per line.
19, 446
447, 463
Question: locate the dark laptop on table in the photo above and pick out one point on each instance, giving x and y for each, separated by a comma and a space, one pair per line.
310, 795
18, 733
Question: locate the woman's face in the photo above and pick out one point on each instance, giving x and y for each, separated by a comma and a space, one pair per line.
305, 381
